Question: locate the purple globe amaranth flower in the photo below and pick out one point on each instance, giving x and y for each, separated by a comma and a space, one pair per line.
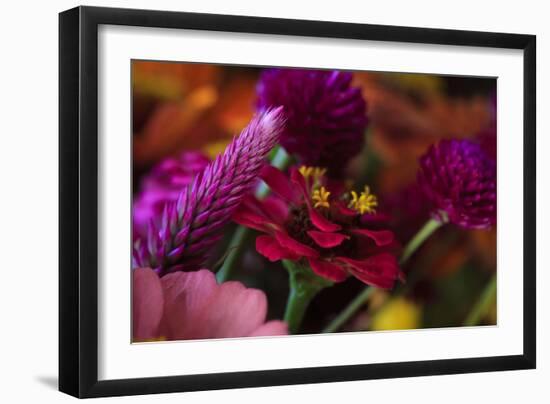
459, 179
326, 116
194, 223
163, 185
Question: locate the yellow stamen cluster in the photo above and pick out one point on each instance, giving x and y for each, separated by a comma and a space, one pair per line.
315, 173
363, 203
320, 198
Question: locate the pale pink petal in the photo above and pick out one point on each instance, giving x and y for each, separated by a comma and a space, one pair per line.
197, 308
233, 311
274, 327
147, 304
185, 296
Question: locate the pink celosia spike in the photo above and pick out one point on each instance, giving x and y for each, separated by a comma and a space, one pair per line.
196, 221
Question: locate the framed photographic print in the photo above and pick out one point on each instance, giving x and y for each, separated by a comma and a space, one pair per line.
251, 201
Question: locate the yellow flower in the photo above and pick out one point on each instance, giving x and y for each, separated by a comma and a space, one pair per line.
397, 314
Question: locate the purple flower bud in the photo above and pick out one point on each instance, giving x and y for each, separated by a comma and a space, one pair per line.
459, 179
326, 116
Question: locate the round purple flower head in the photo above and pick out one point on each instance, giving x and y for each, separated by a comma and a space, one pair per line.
459, 179
326, 117
163, 185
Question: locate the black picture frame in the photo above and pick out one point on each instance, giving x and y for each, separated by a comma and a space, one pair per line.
78, 201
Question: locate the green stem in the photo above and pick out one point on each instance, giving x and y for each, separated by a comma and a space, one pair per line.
482, 305
419, 238
279, 159
349, 310
238, 239
304, 286
358, 302
296, 306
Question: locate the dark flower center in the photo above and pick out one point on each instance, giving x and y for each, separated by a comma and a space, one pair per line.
299, 224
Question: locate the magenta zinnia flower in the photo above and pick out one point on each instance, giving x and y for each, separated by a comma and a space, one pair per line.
326, 116
163, 185
459, 179
337, 237
190, 305
192, 225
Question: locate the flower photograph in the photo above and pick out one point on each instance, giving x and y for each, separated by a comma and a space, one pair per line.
271, 201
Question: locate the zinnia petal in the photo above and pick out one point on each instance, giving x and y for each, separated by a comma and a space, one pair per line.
327, 269
298, 179
279, 183
380, 270
295, 246
321, 222
247, 218
147, 304
326, 240
344, 210
272, 250
277, 208
380, 237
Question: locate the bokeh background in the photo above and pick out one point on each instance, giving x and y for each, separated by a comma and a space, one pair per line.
200, 107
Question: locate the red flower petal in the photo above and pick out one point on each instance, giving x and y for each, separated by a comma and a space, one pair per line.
295, 246
344, 210
247, 218
321, 222
380, 237
328, 270
326, 240
272, 250
279, 183
297, 178
380, 270
276, 208
317, 219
